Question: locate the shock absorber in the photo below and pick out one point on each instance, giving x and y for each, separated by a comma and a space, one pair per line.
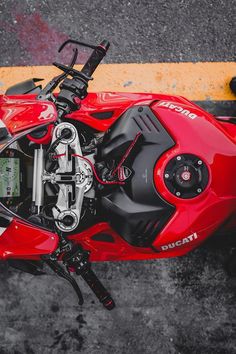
38, 185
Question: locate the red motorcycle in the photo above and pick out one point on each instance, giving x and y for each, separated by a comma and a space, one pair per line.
108, 176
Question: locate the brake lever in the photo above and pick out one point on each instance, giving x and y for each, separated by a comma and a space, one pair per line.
48, 89
68, 70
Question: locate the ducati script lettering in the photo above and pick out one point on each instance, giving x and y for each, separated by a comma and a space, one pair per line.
180, 243
178, 109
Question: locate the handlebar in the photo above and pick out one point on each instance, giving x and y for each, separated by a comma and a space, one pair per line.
77, 86
95, 58
96, 286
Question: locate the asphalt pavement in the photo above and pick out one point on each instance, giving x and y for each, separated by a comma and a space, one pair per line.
140, 31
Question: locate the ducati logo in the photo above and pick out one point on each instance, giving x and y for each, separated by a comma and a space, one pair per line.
178, 109
179, 243
124, 173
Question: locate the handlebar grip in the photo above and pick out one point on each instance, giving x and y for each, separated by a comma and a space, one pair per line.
95, 58
96, 286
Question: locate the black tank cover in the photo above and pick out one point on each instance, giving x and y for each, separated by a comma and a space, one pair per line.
136, 211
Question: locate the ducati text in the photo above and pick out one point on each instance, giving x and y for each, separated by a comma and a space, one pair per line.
181, 242
178, 109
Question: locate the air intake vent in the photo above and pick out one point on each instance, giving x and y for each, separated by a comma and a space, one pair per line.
145, 123
146, 229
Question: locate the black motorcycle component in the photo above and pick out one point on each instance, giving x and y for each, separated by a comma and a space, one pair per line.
232, 85
25, 87
77, 85
39, 133
78, 259
48, 89
136, 211
4, 133
73, 41
186, 176
54, 265
4, 219
96, 286
31, 267
95, 58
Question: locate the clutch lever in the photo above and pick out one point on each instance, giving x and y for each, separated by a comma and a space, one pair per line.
54, 265
68, 70
77, 259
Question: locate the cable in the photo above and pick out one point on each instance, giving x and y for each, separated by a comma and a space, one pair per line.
126, 154
49, 218
95, 172
55, 143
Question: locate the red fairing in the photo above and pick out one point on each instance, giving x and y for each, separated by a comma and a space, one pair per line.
204, 137
194, 219
114, 250
21, 240
193, 130
228, 126
20, 113
96, 105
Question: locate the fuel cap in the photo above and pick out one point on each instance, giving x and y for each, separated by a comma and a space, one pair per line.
186, 176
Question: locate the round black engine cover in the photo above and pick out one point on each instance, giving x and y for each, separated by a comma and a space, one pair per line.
186, 176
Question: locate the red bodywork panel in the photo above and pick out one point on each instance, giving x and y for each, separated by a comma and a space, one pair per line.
22, 240
114, 102
204, 137
19, 113
196, 132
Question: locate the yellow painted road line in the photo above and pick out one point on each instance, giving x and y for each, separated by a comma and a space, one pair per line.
196, 81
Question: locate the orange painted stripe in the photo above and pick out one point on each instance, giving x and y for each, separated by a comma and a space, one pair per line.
196, 81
